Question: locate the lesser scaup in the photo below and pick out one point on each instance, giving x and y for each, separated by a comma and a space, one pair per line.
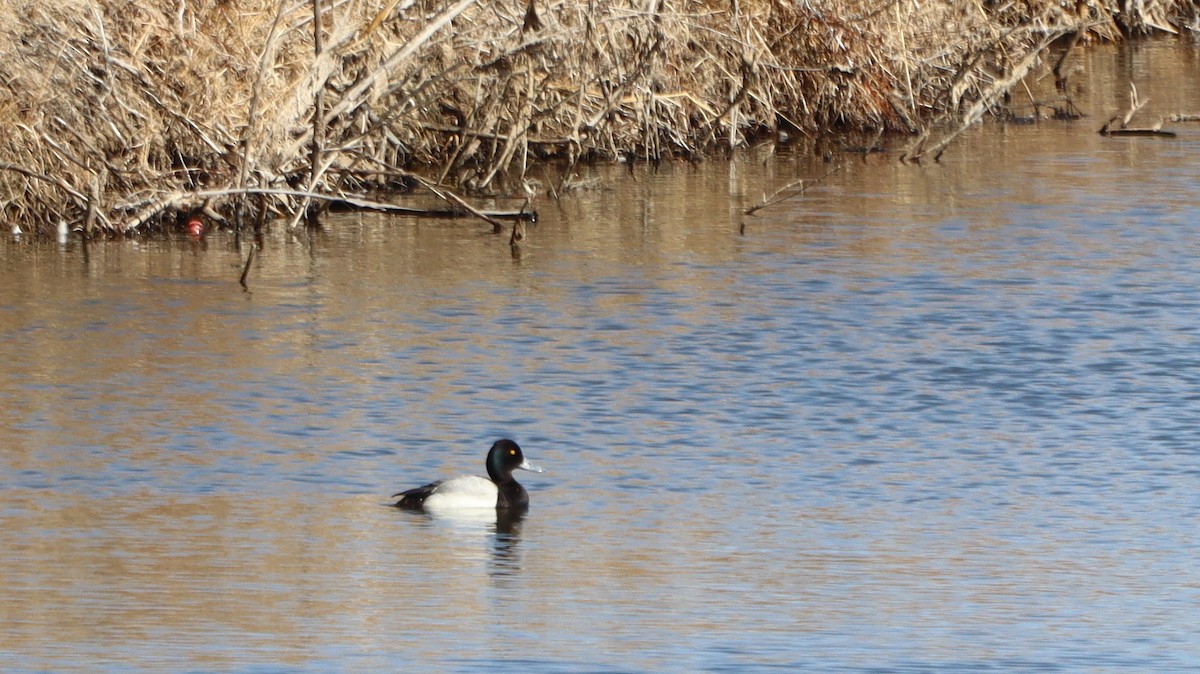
469, 491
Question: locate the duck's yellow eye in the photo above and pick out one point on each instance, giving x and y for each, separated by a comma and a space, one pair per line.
512, 452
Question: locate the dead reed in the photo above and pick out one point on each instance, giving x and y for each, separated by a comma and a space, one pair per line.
117, 117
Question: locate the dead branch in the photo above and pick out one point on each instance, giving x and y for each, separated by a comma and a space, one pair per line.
778, 195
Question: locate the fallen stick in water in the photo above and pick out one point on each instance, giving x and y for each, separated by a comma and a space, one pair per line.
776, 198
1107, 130
1111, 128
246, 267
150, 208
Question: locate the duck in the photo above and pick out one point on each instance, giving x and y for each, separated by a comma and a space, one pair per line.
498, 490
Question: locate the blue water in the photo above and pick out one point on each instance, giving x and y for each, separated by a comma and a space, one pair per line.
925, 419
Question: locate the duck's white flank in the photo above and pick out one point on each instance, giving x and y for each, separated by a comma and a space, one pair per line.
468, 491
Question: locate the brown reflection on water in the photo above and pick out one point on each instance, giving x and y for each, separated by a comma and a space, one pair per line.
143, 574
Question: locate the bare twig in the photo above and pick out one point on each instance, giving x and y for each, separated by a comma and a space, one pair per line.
778, 195
451, 197
1113, 128
246, 267
147, 209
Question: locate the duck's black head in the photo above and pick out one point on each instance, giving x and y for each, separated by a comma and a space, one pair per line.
505, 457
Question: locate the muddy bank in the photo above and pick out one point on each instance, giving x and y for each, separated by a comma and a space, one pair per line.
122, 117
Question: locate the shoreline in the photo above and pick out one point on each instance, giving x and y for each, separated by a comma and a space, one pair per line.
139, 118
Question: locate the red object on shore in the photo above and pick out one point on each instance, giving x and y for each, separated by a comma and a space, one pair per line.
195, 227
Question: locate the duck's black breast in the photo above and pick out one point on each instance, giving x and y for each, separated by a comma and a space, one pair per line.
512, 495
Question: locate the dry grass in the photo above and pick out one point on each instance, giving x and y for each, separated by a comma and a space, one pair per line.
123, 116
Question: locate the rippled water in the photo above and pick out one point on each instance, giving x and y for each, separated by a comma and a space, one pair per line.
938, 418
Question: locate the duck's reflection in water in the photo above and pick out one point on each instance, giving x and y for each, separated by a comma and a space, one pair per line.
499, 529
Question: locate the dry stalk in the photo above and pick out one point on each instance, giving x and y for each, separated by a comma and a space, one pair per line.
788, 191
988, 97
1123, 128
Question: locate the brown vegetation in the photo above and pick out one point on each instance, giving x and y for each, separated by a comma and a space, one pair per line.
118, 116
